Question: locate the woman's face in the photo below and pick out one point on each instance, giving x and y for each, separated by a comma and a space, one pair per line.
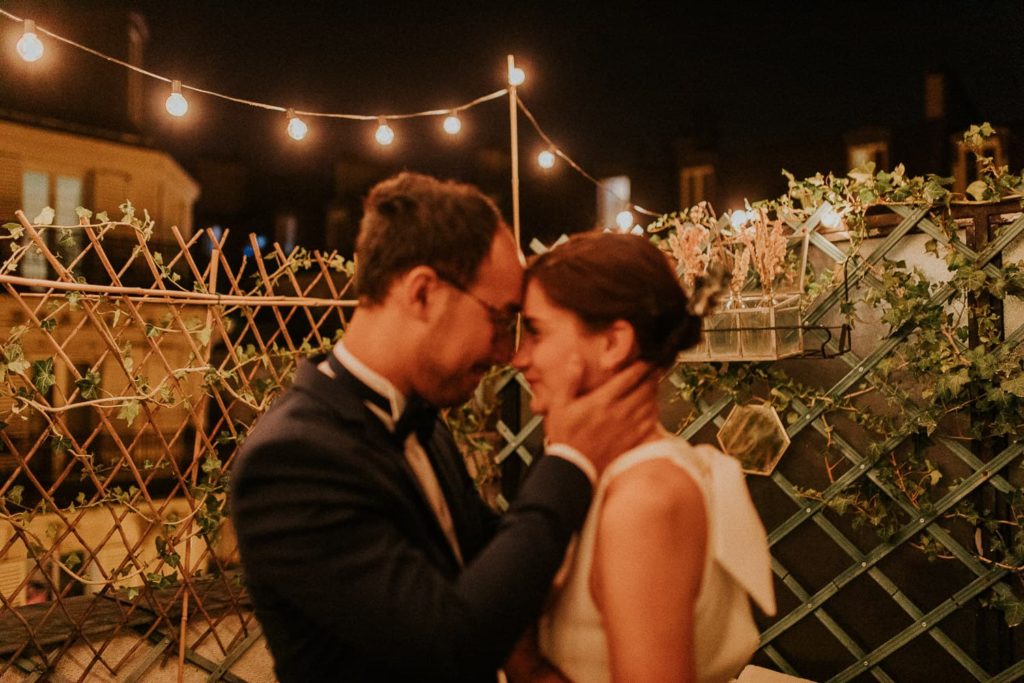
556, 355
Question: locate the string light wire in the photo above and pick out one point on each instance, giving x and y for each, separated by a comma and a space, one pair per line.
351, 117
253, 103
557, 151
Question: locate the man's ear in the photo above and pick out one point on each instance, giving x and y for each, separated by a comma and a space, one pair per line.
417, 291
618, 345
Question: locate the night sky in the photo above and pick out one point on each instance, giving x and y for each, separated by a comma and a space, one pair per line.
614, 84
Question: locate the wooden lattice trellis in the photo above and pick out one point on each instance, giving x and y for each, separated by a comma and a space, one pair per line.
130, 379
202, 347
831, 625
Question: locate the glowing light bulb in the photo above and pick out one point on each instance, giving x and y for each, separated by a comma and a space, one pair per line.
297, 128
452, 124
29, 47
176, 103
384, 135
546, 159
739, 218
624, 219
516, 76
831, 219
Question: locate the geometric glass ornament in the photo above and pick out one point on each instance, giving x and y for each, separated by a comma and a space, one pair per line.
754, 435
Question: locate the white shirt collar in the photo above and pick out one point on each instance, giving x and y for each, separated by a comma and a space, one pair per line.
370, 378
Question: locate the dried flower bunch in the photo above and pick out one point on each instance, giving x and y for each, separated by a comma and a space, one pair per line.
764, 244
724, 251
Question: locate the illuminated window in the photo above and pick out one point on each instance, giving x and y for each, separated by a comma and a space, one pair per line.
612, 198
62, 192
859, 155
966, 169
696, 184
35, 196
138, 33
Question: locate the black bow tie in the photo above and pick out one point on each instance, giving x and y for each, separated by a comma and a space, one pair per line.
420, 417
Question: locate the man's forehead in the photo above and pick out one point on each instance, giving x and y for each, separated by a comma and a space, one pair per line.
502, 271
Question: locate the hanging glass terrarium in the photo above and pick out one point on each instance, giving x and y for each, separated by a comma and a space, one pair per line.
759, 316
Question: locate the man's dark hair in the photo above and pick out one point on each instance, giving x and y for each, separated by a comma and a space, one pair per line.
411, 220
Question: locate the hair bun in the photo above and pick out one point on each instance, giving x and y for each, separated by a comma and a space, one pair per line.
708, 290
686, 332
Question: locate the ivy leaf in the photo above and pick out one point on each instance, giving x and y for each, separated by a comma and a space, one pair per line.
42, 375
72, 561
204, 335
977, 189
1013, 612
14, 358
83, 213
59, 442
45, 217
1015, 386
129, 411
14, 494
15, 230
954, 382
89, 385
102, 217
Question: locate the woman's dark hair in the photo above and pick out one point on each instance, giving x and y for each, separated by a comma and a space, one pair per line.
604, 277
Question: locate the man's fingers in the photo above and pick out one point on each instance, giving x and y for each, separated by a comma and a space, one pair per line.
625, 382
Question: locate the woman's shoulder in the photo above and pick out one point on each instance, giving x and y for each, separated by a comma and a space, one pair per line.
661, 484
671, 459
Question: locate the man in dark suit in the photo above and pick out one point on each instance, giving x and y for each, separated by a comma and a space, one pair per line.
368, 553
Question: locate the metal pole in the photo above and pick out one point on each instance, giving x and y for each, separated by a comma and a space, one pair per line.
514, 135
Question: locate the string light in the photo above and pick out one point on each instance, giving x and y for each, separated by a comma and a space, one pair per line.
831, 219
624, 219
553, 150
739, 218
384, 135
29, 47
176, 103
516, 76
452, 124
297, 128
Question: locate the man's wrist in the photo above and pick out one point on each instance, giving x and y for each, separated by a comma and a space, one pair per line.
567, 452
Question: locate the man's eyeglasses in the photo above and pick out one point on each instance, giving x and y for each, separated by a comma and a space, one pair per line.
503, 322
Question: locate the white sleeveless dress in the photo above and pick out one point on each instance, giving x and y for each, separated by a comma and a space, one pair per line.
738, 565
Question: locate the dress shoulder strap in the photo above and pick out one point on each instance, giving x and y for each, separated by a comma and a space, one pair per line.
736, 535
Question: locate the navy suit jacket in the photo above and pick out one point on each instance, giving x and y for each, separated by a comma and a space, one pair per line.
350, 573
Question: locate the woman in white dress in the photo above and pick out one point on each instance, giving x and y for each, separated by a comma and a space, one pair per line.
658, 584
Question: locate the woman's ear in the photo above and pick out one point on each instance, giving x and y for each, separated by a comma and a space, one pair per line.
618, 346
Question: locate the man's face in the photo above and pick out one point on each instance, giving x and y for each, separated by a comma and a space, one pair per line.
475, 331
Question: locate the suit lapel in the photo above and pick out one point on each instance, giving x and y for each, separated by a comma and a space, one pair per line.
347, 396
